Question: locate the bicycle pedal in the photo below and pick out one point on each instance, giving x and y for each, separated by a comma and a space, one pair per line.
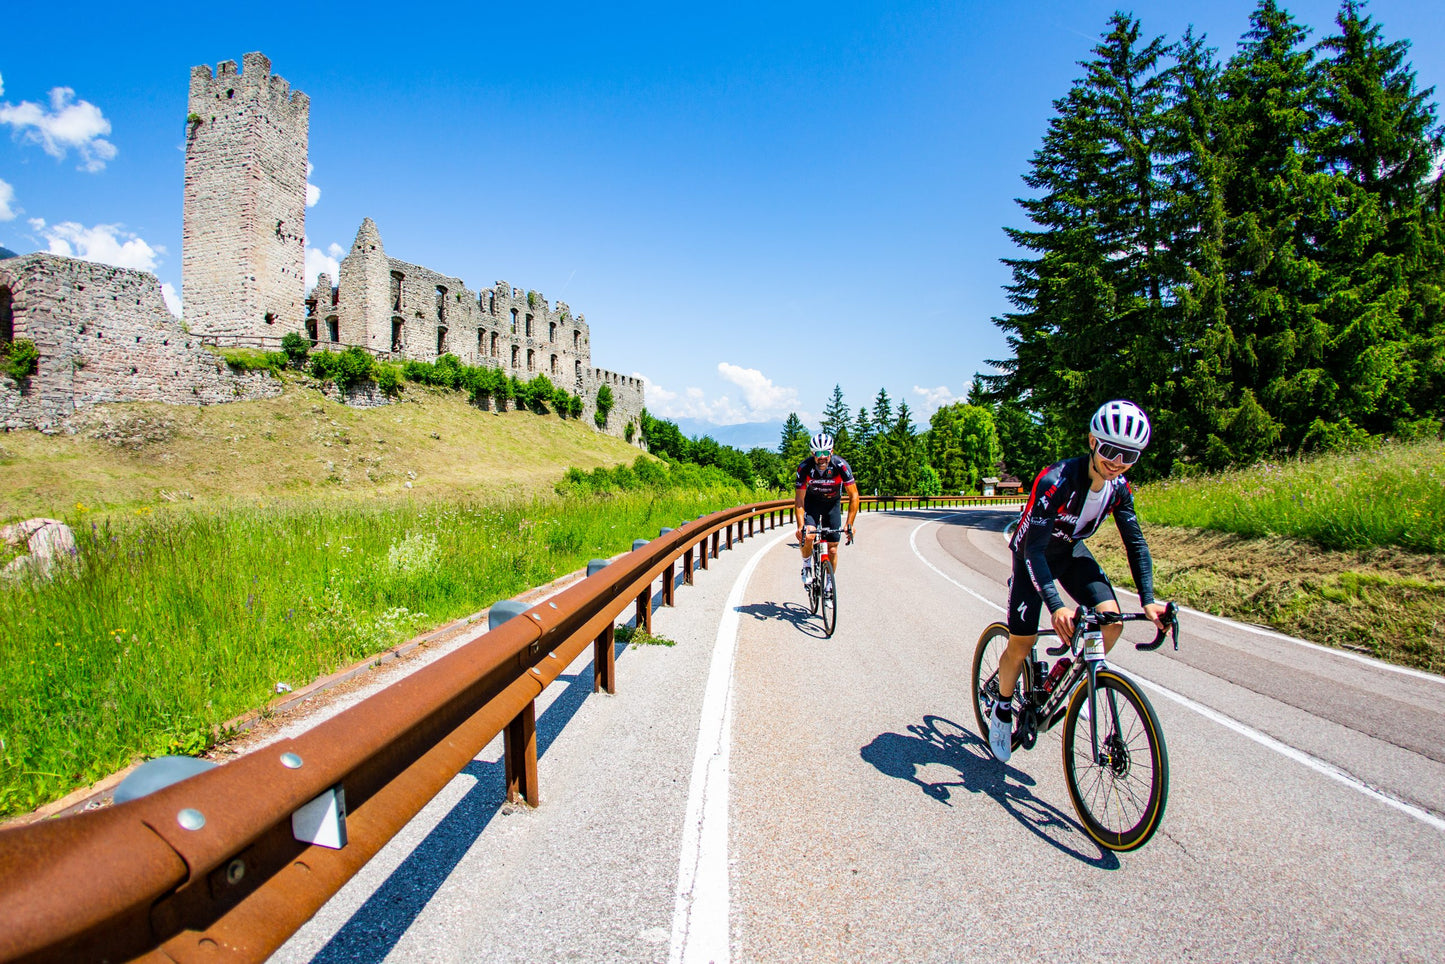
1030, 737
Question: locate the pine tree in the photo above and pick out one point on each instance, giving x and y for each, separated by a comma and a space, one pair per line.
862, 461
1378, 139
835, 423
794, 445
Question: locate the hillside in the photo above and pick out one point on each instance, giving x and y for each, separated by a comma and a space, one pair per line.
127, 456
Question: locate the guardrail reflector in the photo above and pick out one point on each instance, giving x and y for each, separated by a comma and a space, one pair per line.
322, 821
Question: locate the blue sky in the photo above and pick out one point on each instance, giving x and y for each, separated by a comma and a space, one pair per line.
749, 204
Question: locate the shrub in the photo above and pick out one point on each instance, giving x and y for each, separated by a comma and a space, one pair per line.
605, 401
250, 360
388, 379
296, 348
19, 359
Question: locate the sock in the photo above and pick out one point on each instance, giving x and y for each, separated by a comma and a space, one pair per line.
1004, 709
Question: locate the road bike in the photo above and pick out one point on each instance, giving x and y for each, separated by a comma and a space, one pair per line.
822, 590
1115, 763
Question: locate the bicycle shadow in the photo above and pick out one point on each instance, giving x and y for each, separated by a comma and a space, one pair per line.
791, 612
939, 741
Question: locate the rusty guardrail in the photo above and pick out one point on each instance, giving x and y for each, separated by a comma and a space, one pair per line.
212, 867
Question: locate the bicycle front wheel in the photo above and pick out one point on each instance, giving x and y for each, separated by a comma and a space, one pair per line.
986, 655
829, 602
1121, 794
815, 590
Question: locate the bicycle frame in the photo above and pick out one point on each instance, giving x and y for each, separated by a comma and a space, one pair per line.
1047, 707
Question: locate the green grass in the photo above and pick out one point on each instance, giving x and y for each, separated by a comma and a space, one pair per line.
1392, 495
177, 620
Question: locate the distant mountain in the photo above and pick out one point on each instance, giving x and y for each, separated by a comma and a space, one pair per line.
745, 435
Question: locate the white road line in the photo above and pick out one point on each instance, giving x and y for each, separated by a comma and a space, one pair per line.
700, 910
1284, 749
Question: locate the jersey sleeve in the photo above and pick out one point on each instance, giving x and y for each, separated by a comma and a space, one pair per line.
1048, 497
1141, 564
845, 471
802, 476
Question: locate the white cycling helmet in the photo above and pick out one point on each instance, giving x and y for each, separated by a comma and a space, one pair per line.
822, 442
1121, 422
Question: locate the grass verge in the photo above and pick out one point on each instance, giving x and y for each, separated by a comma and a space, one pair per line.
178, 620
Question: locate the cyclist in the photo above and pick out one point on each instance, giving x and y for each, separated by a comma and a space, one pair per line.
1068, 503
818, 501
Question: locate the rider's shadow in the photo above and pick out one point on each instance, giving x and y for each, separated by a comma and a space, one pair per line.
939, 742
790, 612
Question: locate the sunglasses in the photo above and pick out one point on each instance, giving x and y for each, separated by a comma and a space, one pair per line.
1110, 452
821, 455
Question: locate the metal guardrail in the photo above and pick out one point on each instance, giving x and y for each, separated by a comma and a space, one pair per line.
212, 867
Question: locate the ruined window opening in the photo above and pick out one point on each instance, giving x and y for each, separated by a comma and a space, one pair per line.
515, 355
531, 359
529, 324
554, 364
311, 329
396, 279
270, 318
514, 321
441, 341
576, 340
441, 303
481, 343
230, 94
552, 331
310, 307
396, 330
335, 295
494, 344
333, 329
7, 315
491, 302
579, 373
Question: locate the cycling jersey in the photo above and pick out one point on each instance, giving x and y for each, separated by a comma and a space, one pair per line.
1051, 524
824, 484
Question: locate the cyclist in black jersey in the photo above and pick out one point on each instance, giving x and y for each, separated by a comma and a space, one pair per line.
1068, 503
818, 500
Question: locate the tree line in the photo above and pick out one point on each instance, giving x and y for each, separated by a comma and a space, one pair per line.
1252, 249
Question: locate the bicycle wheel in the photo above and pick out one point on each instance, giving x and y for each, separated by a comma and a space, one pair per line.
829, 602
991, 646
1120, 799
814, 590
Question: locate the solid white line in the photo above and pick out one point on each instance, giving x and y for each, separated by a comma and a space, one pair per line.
1299, 756
700, 909
1284, 749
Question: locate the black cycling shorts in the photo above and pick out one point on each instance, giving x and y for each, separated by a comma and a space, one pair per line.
1078, 572
825, 516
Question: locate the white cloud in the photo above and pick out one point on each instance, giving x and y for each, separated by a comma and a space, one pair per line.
68, 124
313, 193
7, 198
765, 400
932, 399
173, 300
104, 243
329, 261
762, 401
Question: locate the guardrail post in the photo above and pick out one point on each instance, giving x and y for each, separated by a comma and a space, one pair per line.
644, 609
702, 552
730, 535
604, 662
520, 749
687, 566
667, 578
714, 544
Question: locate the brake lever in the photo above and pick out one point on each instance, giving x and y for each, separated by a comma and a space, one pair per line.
1171, 618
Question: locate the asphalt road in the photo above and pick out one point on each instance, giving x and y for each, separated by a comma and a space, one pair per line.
760, 793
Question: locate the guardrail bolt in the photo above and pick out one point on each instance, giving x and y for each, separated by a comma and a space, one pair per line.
191, 819
235, 870
290, 761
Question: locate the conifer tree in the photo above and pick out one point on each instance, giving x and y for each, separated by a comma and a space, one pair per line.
835, 423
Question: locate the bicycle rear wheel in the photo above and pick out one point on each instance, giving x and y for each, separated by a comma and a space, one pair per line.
1120, 799
829, 602
986, 655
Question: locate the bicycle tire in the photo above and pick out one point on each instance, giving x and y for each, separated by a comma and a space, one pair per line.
814, 592
991, 645
828, 605
1120, 803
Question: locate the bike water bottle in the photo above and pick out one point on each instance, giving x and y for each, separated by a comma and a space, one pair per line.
1094, 646
1057, 673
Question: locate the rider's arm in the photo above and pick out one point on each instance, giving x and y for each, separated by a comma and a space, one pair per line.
1141, 565
1045, 502
798, 500
852, 503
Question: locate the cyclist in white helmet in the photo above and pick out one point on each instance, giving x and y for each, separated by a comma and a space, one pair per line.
1069, 501
818, 499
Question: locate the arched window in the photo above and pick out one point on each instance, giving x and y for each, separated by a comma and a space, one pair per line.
529, 324
516, 354
396, 334
554, 364
552, 331
441, 341
576, 340
514, 321
396, 279
491, 302
494, 344
441, 303
333, 329
531, 359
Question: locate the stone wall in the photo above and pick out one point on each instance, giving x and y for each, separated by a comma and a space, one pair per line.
104, 334
244, 213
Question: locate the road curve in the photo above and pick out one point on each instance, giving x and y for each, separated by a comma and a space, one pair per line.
835, 803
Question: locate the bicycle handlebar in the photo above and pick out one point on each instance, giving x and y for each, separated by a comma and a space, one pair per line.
833, 533
1084, 616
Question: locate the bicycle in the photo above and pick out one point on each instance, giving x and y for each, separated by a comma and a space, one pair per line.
822, 590
1118, 779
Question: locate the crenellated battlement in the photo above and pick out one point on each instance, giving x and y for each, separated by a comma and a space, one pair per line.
253, 83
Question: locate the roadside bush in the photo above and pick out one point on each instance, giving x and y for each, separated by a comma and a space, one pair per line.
296, 348
19, 358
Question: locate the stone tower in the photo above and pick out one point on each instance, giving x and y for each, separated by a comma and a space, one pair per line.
243, 234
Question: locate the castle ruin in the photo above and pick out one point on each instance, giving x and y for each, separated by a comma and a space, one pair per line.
104, 334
